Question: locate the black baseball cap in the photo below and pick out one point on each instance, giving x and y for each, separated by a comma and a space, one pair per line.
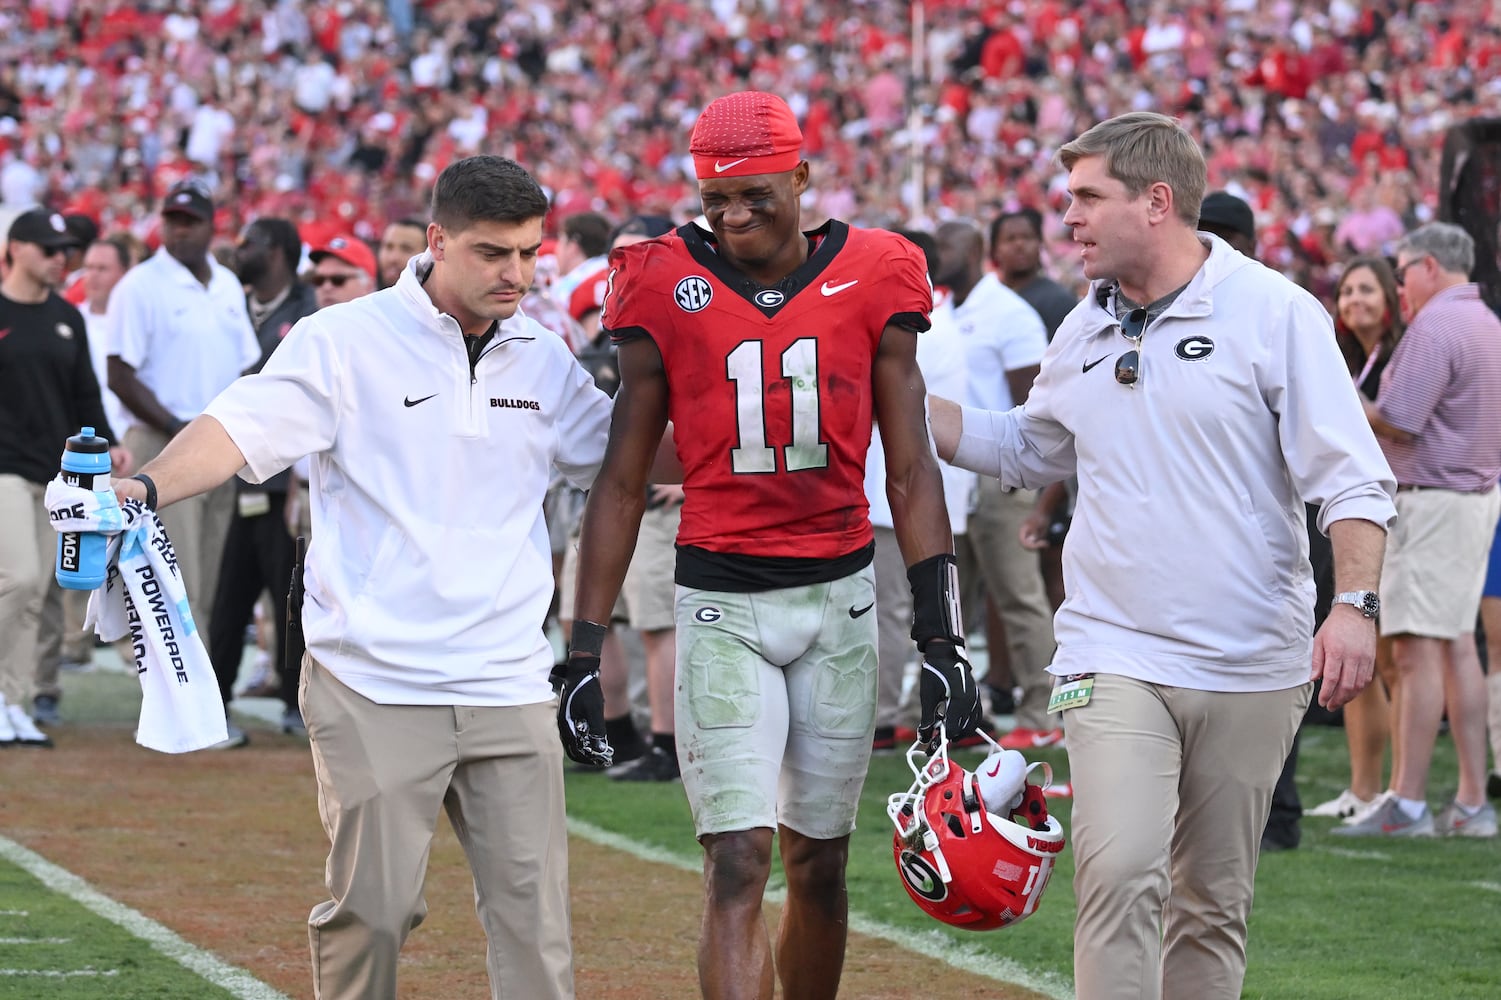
650, 226
1223, 209
43, 228
189, 197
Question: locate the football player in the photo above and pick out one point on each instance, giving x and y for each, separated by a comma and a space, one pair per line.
771, 350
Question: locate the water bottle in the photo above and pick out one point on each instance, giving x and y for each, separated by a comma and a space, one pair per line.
81, 562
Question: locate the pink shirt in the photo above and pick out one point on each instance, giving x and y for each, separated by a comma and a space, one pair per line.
1443, 385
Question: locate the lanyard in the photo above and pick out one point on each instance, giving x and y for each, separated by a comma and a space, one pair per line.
1370, 362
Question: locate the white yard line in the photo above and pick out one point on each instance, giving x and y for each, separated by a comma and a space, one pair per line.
934, 944
238, 982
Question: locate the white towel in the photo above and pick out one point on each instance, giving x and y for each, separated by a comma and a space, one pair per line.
143, 597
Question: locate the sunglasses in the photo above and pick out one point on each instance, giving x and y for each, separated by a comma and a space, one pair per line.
337, 280
1128, 365
1401, 272
53, 251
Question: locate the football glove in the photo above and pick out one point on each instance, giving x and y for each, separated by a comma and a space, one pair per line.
581, 701
948, 693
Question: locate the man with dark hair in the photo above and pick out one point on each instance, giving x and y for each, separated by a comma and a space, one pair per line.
402, 240
1016, 253
435, 415
582, 245
258, 550
777, 348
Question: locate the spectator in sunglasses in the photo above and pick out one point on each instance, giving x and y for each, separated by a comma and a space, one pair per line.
343, 269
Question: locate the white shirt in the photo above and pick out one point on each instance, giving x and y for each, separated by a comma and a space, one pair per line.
1001, 334
96, 325
1187, 559
430, 573
940, 356
186, 341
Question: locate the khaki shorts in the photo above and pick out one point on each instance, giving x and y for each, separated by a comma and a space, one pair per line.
1435, 563
646, 597
776, 704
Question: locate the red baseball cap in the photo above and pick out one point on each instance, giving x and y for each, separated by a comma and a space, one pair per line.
589, 295
744, 134
350, 249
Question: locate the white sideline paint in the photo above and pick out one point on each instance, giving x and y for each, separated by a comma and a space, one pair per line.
60, 973
237, 982
26, 940
1487, 886
934, 944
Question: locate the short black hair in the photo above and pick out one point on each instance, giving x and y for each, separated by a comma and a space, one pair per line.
925, 242
284, 237
590, 230
1032, 215
486, 189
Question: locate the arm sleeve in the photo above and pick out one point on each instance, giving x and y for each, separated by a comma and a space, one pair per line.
909, 287
291, 407
623, 314
1025, 446
1328, 445
583, 427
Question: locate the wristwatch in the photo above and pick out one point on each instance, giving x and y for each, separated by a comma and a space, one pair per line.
1367, 602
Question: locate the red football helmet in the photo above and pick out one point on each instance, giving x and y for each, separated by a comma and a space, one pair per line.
962, 864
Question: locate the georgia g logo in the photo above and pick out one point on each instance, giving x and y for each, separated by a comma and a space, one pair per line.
921, 877
1194, 348
708, 614
693, 293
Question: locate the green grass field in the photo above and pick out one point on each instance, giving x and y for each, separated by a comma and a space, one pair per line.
1333, 920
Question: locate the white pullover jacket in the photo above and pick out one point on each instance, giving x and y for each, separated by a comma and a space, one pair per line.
429, 572
1187, 562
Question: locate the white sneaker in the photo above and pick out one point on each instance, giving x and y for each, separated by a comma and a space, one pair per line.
1386, 818
1344, 806
26, 732
1452, 821
7, 731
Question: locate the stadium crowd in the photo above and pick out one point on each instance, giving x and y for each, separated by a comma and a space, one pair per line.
339, 114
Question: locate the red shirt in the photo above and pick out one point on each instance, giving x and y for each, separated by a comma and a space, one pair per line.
770, 387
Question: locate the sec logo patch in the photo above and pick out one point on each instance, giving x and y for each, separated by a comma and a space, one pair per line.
693, 293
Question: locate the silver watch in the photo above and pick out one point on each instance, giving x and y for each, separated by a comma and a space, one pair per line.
1367, 602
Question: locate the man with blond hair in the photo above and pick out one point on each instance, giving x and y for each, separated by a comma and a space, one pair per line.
1200, 399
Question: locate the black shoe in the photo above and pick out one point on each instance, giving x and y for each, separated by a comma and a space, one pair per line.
1002, 700
1493, 785
1279, 839
658, 765
44, 710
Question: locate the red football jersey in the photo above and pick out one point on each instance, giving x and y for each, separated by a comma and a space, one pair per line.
770, 386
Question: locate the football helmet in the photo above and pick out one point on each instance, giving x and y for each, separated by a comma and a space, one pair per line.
960, 862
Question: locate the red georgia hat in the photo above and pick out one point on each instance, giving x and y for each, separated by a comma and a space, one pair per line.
744, 134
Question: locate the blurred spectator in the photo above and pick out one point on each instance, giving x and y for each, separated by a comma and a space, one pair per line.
581, 249
1438, 417
344, 268
47, 392
179, 334
402, 240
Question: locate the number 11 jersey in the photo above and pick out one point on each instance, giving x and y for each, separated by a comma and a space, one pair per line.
769, 387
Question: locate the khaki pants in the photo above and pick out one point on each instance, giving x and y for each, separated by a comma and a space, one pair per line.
383, 773
1014, 580
28, 552
61, 635
1171, 792
197, 527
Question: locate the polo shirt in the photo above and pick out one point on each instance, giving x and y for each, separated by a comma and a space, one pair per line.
186, 341
1443, 385
1001, 334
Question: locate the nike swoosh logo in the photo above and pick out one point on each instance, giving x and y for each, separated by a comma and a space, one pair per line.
857, 612
828, 289
409, 401
1091, 364
720, 168
994, 770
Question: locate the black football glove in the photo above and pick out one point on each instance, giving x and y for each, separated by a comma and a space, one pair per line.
948, 692
581, 701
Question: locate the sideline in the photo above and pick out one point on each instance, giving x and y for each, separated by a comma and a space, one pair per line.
238, 982
933, 944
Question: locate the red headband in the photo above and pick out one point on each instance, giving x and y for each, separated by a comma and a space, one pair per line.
744, 134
